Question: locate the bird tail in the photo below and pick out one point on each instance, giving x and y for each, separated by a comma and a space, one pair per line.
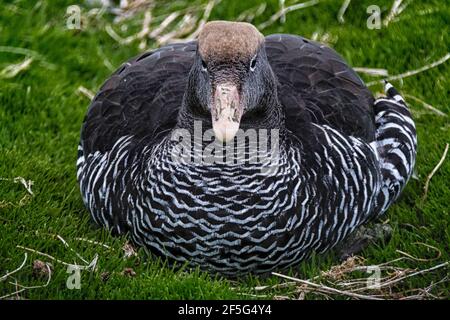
395, 144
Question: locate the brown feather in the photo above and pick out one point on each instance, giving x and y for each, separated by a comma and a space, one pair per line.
224, 40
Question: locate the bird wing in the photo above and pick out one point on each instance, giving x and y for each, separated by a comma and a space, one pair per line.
317, 86
142, 98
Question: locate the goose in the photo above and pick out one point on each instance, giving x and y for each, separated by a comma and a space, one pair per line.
332, 159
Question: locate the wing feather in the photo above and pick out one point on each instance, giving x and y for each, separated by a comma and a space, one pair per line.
142, 98
316, 85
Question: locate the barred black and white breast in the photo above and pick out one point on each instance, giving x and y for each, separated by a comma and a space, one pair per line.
241, 153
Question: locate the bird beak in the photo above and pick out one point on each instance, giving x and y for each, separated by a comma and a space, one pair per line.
226, 112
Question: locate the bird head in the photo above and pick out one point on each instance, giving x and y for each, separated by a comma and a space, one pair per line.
233, 75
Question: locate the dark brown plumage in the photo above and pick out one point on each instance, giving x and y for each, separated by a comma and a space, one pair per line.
315, 85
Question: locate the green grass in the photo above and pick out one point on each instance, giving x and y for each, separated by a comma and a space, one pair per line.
41, 114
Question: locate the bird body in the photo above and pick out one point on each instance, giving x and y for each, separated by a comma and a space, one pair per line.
341, 157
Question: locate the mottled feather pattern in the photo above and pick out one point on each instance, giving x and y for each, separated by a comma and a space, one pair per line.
344, 158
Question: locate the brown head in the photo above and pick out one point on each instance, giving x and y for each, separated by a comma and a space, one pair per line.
231, 73
229, 41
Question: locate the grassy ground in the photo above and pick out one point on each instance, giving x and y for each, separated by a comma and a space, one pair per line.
41, 113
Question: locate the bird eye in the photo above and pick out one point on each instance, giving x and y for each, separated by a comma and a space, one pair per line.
253, 64
204, 66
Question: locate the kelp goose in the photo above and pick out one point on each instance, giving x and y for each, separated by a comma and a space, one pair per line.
342, 156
